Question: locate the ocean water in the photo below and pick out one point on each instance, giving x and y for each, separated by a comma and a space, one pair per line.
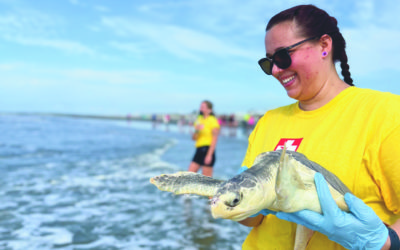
73, 183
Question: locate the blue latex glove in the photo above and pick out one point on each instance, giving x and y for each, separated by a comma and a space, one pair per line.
241, 170
360, 228
264, 212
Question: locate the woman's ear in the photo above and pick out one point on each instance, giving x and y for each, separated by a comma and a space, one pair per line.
325, 42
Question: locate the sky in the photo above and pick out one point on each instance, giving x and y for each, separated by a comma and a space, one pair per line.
117, 57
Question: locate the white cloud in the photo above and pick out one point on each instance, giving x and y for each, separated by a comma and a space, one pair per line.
382, 13
34, 28
101, 8
132, 48
9, 66
226, 34
64, 45
29, 22
181, 42
113, 77
75, 2
372, 49
53, 77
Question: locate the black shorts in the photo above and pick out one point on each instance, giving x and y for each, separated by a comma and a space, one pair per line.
200, 155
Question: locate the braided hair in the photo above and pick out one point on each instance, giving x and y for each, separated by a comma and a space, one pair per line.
313, 21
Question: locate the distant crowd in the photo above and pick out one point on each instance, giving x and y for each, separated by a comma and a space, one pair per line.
229, 123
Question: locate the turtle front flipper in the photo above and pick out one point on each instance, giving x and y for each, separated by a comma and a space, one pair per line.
287, 182
303, 236
290, 187
187, 183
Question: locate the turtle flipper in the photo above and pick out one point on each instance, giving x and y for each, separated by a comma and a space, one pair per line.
186, 183
288, 183
303, 236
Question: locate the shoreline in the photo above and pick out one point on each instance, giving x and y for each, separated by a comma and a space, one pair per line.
239, 119
239, 129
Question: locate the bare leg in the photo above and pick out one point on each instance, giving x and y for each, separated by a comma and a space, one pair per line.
194, 167
207, 171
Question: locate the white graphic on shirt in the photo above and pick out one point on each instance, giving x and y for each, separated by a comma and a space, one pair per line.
291, 144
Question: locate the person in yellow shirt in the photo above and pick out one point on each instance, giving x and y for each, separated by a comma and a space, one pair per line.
206, 136
350, 131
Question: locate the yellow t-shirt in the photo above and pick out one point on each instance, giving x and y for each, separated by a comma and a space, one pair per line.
355, 136
205, 133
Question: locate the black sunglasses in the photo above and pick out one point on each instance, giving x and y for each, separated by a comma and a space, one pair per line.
280, 58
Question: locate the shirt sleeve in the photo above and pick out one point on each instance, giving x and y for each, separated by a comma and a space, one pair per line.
215, 123
389, 175
251, 150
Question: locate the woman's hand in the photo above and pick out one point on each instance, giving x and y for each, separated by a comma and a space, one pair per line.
207, 160
199, 127
360, 228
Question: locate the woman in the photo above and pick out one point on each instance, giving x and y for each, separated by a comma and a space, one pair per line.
206, 136
350, 131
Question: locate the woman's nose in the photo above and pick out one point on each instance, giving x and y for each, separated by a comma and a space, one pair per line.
276, 69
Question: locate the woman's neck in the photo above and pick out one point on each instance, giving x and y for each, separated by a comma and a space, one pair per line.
325, 95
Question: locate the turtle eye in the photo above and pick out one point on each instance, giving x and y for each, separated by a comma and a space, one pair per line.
234, 201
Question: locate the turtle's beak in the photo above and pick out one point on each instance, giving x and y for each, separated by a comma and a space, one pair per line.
220, 210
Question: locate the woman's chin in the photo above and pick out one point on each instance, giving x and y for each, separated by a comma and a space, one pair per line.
292, 93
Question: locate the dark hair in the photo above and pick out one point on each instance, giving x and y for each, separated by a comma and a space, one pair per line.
210, 106
313, 21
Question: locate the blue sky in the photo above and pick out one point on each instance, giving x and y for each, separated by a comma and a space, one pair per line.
166, 56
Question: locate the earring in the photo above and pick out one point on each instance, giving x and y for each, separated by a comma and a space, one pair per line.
324, 53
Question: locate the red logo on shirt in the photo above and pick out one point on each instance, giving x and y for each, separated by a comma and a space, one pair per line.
291, 144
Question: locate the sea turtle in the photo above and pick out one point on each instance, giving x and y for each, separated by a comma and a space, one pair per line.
279, 181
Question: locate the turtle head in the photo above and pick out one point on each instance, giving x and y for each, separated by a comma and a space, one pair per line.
237, 199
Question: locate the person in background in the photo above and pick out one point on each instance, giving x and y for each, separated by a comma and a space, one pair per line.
166, 119
206, 136
181, 123
232, 124
250, 123
352, 132
154, 120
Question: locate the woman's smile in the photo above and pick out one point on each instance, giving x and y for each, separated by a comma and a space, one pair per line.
287, 81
